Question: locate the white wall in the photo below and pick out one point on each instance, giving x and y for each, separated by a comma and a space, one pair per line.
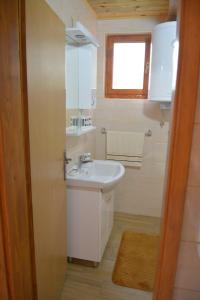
74, 10
140, 191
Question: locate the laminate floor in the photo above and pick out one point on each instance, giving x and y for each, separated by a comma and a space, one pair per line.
87, 283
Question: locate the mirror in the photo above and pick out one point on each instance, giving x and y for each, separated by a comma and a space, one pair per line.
71, 77
80, 71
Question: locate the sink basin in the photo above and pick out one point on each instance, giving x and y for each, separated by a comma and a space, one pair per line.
99, 174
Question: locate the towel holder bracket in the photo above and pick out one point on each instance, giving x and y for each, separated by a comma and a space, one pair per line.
103, 130
148, 132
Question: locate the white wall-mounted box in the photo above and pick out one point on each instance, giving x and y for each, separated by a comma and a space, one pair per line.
163, 62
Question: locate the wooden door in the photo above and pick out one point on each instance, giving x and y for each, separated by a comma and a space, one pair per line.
17, 267
181, 133
45, 45
4, 292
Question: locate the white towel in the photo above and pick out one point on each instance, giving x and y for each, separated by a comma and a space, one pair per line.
126, 147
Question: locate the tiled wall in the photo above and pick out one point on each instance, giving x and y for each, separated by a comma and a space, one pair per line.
187, 285
78, 145
140, 191
68, 11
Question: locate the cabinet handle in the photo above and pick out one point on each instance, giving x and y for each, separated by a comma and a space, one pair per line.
93, 100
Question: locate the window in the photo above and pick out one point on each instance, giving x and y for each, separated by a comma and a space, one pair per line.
127, 66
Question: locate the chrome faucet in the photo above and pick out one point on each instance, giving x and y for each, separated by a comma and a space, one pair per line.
84, 158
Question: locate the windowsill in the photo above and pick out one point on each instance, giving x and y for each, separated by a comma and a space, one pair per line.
126, 99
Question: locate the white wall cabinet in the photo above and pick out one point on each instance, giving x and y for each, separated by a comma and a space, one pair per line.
89, 223
81, 66
163, 62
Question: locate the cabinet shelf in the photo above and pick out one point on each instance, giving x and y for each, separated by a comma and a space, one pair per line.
70, 131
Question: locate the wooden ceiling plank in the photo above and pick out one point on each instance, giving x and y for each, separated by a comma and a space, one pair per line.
128, 16
122, 2
133, 9
129, 5
129, 8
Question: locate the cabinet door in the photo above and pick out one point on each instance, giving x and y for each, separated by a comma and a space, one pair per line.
107, 218
71, 76
94, 75
110, 213
87, 76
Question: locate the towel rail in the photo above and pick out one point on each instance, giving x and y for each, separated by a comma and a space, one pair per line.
148, 133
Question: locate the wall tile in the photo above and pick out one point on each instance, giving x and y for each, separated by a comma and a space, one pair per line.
188, 268
194, 171
140, 191
180, 294
197, 117
139, 199
191, 221
77, 145
159, 152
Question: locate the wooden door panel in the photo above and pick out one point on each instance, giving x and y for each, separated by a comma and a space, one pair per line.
3, 282
179, 147
3, 273
45, 44
15, 196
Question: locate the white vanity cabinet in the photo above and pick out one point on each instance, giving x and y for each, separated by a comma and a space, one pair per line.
89, 222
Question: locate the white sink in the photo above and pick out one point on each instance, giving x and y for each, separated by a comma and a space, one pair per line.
100, 174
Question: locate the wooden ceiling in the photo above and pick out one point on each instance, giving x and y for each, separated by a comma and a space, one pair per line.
112, 9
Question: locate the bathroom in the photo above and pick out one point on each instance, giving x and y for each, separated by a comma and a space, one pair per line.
100, 182
137, 196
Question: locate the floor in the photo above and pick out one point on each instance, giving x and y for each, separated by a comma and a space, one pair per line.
87, 283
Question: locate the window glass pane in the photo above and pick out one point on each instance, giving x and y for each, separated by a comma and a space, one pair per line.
128, 65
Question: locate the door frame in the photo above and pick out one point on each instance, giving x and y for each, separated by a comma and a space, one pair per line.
17, 256
180, 141
177, 162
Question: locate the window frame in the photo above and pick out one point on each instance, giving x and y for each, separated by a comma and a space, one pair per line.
126, 93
